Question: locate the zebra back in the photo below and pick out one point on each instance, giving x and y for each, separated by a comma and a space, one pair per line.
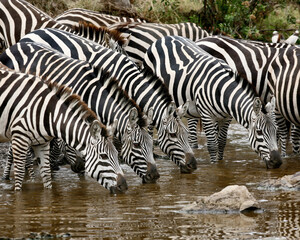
142, 35
250, 61
73, 16
18, 17
147, 90
36, 112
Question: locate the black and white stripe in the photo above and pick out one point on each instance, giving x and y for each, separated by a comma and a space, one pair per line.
251, 60
142, 35
102, 95
73, 16
18, 17
217, 94
284, 78
147, 90
32, 113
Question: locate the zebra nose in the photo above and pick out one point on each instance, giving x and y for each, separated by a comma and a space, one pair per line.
190, 164
121, 186
152, 174
275, 160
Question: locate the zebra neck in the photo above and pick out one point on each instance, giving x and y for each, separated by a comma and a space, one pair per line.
243, 112
69, 126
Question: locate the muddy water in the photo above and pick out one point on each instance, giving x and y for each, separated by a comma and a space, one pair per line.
80, 207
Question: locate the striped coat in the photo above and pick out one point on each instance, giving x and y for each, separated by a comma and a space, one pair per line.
32, 113
217, 94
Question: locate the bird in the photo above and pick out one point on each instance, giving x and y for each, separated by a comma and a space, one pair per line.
293, 38
276, 37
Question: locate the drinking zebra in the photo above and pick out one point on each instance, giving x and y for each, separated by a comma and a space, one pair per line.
32, 113
102, 95
217, 94
251, 60
18, 17
147, 90
73, 16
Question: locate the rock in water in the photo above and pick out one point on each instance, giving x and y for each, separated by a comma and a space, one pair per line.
287, 182
233, 198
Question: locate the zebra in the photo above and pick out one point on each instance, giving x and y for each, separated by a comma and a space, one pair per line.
283, 77
33, 112
251, 60
217, 94
147, 90
141, 35
102, 95
73, 16
18, 17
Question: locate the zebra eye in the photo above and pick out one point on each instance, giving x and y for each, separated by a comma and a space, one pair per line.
103, 156
173, 135
136, 144
259, 131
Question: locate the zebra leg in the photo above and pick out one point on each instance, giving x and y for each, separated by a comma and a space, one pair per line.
19, 150
295, 135
57, 150
75, 159
42, 153
210, 129
8, 164
192, 126
29, 163
282, 132
222, 136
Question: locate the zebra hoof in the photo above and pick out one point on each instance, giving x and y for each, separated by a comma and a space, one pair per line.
5, 178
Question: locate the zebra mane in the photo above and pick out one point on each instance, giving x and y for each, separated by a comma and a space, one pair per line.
113, 33
74, 101
123, 96
4, 67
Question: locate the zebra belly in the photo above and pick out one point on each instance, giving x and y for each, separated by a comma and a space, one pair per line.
192, 111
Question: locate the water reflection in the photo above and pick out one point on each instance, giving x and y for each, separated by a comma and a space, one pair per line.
80, 206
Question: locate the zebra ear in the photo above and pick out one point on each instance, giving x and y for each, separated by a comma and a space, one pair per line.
133, 116
112, 128
126, 40
270, 107
257, 105
171, 108
181, 110
95, 130
150, 116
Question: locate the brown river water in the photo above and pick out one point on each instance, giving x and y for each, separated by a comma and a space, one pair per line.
83, 209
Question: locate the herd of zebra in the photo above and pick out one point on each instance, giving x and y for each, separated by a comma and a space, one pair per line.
92, 87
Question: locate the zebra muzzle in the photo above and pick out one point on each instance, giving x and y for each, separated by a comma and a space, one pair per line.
152, 174
190, 164
275, 160
121, 186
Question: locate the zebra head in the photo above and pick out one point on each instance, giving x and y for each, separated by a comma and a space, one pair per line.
102, 161
137, 146
262, 133
173, 138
